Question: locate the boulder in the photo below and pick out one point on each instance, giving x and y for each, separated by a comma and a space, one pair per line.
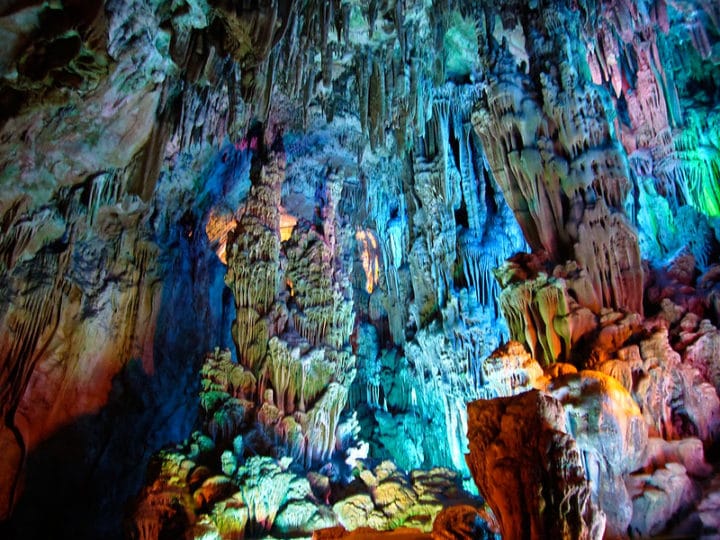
529, 470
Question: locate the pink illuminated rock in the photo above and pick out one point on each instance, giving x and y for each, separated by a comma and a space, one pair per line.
704, 354
675, 399
687, 452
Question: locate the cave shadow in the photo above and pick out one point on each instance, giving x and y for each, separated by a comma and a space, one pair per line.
78, 482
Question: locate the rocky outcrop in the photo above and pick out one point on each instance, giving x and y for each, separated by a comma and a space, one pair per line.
530, 470
668, 485
640, 484
510, 370
676, 399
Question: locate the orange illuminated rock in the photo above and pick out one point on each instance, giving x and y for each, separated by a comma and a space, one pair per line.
611, 435
510, 370
464, 521
366, 533
287, 224
529, 470
217, 229
369, 255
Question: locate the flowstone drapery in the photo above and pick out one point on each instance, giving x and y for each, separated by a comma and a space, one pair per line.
670, 127
458, 227
551, 147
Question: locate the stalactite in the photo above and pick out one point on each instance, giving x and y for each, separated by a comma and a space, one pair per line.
542, 313
326, 18
362, 83
376, 103
553, 194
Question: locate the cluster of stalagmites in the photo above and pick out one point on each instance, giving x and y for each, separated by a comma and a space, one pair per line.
294, 319
231, 481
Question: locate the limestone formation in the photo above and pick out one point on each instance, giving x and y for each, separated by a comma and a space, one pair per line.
464, 521
510, 370
254, 273
314, 231
549, 310
269, 496
530, 470
568, 196
610, 434
675, 399
665, 493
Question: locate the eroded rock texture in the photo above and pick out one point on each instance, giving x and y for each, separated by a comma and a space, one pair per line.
93, 275
530, 470
551, 147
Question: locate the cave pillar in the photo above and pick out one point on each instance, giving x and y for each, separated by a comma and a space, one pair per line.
550, 142
254, 266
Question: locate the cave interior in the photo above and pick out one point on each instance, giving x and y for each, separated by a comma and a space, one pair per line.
359, 269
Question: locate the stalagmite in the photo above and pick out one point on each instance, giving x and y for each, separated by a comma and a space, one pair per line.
254, 273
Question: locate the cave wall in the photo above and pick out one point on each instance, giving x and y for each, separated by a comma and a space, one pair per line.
112, 291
